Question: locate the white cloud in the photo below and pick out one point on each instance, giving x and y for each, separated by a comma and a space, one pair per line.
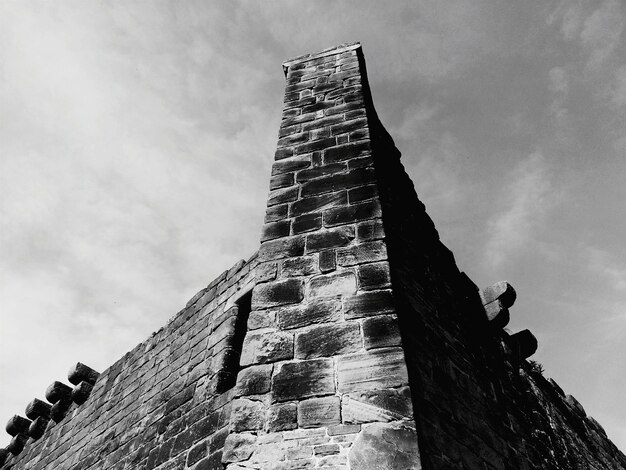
528, 197
601, 33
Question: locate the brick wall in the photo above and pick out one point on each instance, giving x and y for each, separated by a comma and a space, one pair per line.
351, 340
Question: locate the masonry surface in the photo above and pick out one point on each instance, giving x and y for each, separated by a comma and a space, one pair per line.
350, 340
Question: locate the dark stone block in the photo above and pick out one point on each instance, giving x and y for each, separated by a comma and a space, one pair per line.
271, 294
17, 424
362, 193
358, 112
349, 126
319, 106
374, 276
283, 153
277, 212
196, 453
361, 162
60, 409
283, 180
291, 164
307, 223
274, 230
368, 304
327, 261
318, 412
16, 446
321, 144
82, 373
338, 181
81, 393
343, 108
317, 203
300, 86
261, 348
282, 417
38, 427
322, 311
329, 239
254, 380
328, 340
370, 230
280, 196
323, 122
301, 266
37, 408
58, 391
359, 135
381, 331
353, 213
294, 139
319, 171
297, 380
247, 415
361, 253
281, 248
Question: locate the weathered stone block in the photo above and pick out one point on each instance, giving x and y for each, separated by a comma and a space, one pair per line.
271, 294
307, 223
261, 319
328, 340
502, 291
362, 193
297, 380
381, 331
374, 276
346, 152
281, 248
318, 412
17, 424
247, 415
362, 253
327, 261
377, 405
319, 171
318, 203
254, 380
277, 212
337, 283
348, 126
333, 238
266, 272
353, 213
322, 311
373, 370
37, 408
238, 447
281, 196
338, 181
259, 348
388, 446
281, 181
291, 164
274, 230
282, 417
82, 373
300, 266
368, 304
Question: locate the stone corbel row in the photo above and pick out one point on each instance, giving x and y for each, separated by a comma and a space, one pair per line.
39, 413
496, 300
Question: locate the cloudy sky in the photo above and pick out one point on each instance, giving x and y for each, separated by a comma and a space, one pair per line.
136, 140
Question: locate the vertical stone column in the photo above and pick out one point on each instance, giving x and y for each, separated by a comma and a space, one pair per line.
323, 379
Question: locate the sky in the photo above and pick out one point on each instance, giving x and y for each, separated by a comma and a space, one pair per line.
136, 140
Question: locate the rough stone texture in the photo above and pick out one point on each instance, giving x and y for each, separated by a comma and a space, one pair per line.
350, 267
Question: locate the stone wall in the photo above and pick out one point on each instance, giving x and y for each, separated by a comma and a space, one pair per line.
351, 340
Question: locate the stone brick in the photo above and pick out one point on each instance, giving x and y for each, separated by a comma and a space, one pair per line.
348, 126
353, 213
281, 153
336, 283
318, 412
297, 380
281, 292
327, 261
315, 145
293, 139
300, 266
281, 181
282, 248
326, 449
346, 152
318, 203
392, 446
374, 276
373, 370
362, 253
368, 304
254, 380
370, 230
342, 429
385, 405
261, 319
328, 340
280, 196
247, 415
291, 164
381, 331
319, 171
273, 230
338, 181
307, 223
321, 311
238, 447
323, 122
333, 238
282, 417
274, 213
260, 348
362, 193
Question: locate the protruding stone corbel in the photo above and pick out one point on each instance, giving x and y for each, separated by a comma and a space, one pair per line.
523, 344
17, 425
81, 392
17, 444
60, 395
496, 300
39, 412
82, 373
